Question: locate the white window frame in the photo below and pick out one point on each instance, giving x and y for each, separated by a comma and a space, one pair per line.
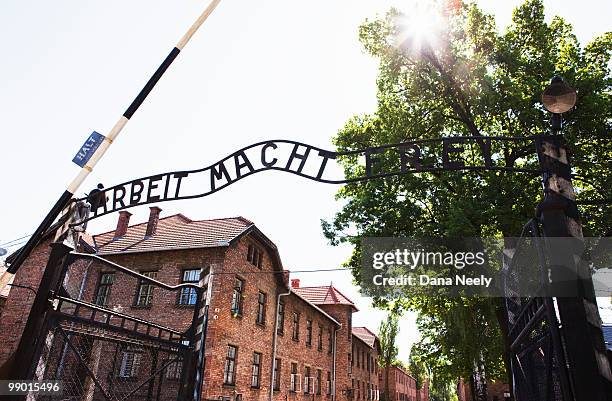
309, 384
133, 368
296, 385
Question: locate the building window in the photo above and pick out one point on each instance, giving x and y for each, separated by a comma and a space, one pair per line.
277, 371
255, 256
318, 382
363, 360
237, 297
328, 387
256, 370
349, 319
175, 369
144, 295
130, 363
330, 341
104, 289
281, 319
307, 380
261, 308
295, 378
320, 339
229, 372
188, 296
296, 326
308, 333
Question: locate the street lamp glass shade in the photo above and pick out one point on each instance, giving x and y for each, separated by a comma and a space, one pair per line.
558, 97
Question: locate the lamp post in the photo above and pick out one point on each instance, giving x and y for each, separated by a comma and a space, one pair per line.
589, 370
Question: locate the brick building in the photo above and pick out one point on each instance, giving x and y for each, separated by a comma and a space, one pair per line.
265, 340
357, 347
402, 386
496, 391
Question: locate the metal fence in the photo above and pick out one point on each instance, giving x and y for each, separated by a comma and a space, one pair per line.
115, 334
538, 362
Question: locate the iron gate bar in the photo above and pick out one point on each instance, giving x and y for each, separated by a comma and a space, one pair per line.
121, 315
541, 311
107, 337
553, 354
554, 326
536, 340
80, 359
78, 255
519, 319
150, 378
523, 352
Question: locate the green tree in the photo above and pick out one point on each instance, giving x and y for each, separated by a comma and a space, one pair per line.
473, 81
387, 333
417, 367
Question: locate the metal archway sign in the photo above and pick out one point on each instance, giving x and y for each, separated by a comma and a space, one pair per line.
311, 162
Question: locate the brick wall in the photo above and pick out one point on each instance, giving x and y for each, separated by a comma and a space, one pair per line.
343, 315
364, 370
495, 391
402, 386
298, 352
19, 301
241, 330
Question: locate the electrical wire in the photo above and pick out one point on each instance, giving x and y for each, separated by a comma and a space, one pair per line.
16, 239
15, 244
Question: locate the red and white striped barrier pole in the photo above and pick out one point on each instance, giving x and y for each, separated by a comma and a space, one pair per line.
74, 185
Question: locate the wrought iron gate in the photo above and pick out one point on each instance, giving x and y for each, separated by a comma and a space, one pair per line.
115, 334
538, 360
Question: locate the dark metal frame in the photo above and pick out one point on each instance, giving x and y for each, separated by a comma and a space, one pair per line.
533, 311
181, 343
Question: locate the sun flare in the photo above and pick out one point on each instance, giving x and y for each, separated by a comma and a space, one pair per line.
420, 24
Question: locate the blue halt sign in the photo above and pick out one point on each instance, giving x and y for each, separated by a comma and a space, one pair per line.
87, 150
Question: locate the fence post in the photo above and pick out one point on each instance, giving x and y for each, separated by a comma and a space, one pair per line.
589, 369
33, 333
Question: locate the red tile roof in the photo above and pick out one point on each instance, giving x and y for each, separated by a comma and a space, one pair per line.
316, 308
324, 295
365, 335
173, 232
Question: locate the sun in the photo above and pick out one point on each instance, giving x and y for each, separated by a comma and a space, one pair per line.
420, 24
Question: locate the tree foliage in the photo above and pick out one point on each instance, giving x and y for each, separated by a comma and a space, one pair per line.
473, 81
387, 334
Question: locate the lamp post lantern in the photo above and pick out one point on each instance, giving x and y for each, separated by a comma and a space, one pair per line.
558, 98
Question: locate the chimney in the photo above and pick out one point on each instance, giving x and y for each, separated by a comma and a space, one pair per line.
122, 223
295, 283
153, 219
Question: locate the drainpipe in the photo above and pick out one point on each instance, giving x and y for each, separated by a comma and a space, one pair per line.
334, 363
275, 337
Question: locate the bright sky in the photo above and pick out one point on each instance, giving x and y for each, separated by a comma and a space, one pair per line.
272, 69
